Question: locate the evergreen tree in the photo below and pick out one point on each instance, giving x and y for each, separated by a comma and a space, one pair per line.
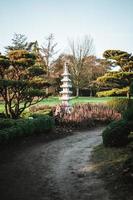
19, 42
121, 79
21, 84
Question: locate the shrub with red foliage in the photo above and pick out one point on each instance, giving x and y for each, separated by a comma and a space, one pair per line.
84, 115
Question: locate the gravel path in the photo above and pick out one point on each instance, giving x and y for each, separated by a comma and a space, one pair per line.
56, 170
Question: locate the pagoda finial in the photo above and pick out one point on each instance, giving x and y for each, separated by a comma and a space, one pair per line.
65, 67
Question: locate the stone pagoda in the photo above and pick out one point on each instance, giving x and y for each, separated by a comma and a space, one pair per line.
66, 85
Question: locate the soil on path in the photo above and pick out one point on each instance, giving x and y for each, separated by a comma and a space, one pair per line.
54, 170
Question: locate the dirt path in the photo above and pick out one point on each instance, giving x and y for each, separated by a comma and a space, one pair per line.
56, 170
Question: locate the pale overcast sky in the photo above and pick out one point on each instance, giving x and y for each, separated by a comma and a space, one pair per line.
109, 22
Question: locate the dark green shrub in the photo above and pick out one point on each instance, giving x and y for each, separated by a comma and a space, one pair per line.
37, 115
4, 135
130, 125
128, 114
26, 127
2, 115
116, 134
131, 88
6, 123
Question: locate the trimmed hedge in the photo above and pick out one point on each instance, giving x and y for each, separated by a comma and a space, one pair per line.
25, 127
116, 134
113, 92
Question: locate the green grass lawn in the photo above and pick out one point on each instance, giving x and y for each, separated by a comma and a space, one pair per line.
51, 101
1, 107
55, 100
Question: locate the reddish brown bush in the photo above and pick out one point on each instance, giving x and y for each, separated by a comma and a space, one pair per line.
85, 115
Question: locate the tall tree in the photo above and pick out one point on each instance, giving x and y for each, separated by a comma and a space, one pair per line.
48, 51
57, 71
33, 47
20, 86
19, 42
93, 68
79, 54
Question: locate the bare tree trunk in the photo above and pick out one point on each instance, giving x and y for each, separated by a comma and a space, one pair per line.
6, 110
90, 92
128, 95
77, 91
78, 59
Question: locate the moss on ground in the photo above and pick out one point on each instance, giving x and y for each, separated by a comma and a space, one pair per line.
115, 167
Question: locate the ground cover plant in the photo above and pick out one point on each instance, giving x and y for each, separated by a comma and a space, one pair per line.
115, 167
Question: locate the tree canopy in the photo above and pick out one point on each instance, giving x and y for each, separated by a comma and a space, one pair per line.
120, 58
19, 42
21, 84
121, 78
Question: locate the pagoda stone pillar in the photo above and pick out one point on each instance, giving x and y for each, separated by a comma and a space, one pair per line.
66, 85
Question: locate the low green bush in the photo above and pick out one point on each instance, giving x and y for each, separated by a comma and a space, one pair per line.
2, 115
116, 134
26, 114
130, 126
25, 127
6, 123
41, 113
29, 113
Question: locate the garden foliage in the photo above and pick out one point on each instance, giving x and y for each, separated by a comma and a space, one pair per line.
113, 92
117, 82
10, 128
118, 104
37, 110
116, 134
21, 82
85, 115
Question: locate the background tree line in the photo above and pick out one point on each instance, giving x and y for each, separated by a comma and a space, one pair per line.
30, 72
83, 64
